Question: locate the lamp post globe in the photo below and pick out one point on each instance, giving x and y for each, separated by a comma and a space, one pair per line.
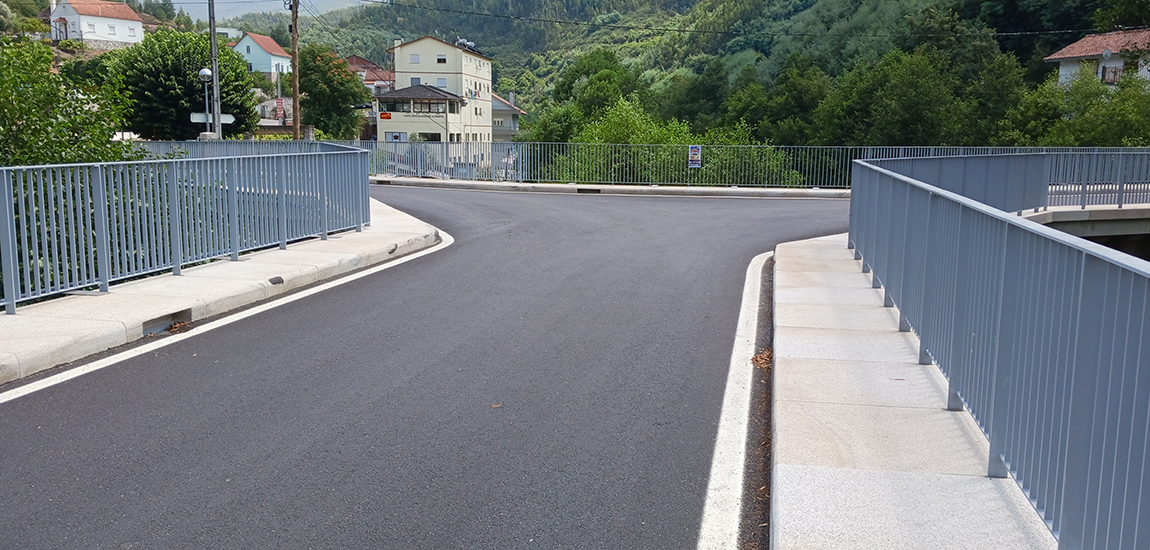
205, 76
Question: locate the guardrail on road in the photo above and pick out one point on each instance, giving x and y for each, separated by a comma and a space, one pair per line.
70, 227
1044, 337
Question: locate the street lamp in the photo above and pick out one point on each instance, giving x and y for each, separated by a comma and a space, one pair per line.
206, 77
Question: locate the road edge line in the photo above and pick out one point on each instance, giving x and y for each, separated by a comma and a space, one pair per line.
16, 393
722, 510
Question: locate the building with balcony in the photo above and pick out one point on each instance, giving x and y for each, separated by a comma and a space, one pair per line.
433, 74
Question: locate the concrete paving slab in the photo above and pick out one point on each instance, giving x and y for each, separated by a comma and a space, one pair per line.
822, 249
846, 345
69, 328
833, 508
819, 265
836, 316
859, 383
905, 439
826, 295
850, 279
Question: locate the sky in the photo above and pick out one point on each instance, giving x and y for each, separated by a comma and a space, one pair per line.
226, 9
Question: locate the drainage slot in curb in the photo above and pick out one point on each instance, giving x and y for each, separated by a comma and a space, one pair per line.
585, 190
164, 323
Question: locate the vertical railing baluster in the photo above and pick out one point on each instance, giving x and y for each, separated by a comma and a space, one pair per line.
103, 247
8, 242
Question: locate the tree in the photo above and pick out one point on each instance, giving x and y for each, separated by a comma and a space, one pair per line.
45, 119
32, 25
184, 22
160, 76
904, 99
331, 90
280, 34
594, 64
1112, 14
556, 124
7, 19
1083, 113
792, 101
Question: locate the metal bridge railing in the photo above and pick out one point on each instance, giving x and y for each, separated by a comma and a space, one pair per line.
720, 165
1044, 337
70, 227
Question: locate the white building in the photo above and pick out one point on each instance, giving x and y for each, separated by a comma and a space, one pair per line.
99, 25
263, 55
1106, 54
504, 118
459, 71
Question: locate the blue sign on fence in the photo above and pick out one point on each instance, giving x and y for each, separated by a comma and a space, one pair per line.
694, 156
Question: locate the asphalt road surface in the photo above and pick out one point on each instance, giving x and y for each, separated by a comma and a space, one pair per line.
552, 380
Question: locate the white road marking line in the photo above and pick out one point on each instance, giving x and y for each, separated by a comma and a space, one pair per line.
50, 381
723, 507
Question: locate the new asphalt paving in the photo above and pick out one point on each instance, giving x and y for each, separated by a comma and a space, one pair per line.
551, 380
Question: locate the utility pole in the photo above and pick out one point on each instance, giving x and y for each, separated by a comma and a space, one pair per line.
217, 125
295, 112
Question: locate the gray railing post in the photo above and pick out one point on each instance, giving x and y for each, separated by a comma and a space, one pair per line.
365, 195
174, 219
231, 181
281, 200
1121, 178
8, 242
103, 247
326, 165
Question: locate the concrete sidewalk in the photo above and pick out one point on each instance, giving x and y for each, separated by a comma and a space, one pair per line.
638, 189
865, 453
65, 329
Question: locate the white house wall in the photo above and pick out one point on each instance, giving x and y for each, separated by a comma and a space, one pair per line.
90, 28
260, 60
464, 74
1070, 67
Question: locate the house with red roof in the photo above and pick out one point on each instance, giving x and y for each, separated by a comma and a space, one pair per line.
375, 78
263, 55
1106, 54
99, 25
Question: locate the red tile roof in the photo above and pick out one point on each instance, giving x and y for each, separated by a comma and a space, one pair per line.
268, 44
111, 10
358, 63
1093, 45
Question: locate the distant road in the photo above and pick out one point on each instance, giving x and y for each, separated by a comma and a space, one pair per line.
552, 380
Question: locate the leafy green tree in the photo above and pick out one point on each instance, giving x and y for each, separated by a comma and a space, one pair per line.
7, 19
556, 124
280, 34
904, 99
32, 25
601, 63
792, 101
27, 8
45, 119
696, 98
331, 90
160, 76
184, 22
1084, 112
1113, 14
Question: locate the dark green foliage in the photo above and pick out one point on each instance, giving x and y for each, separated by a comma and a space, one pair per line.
45, 119
696, 98
557, 124
1114, 14
160, 76
1032, 18
792, 101
330, 89
904, 99
1084, 113
26, 8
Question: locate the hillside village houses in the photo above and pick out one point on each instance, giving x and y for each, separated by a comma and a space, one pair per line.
504, 117
443, 93
1106, 54
98, 25
263, 55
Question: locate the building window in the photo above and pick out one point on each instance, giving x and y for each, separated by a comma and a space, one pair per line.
415, 81
250, 69
1111, 75
441, 58
441, 83
249, 49
111, 30
452, 107
132, 31
414, 58
91, 27
498, 122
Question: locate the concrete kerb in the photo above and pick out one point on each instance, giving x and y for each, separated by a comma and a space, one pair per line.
664, 190
59, 331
